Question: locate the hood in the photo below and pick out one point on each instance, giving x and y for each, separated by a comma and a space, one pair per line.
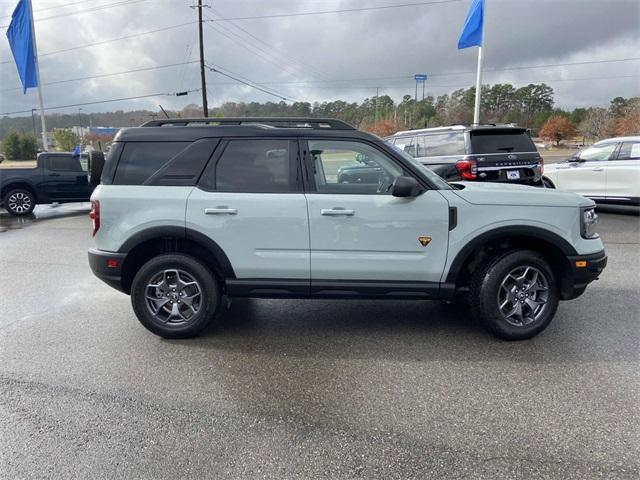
522, 195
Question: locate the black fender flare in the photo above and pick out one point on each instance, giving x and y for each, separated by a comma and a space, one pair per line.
182, 233
503, 232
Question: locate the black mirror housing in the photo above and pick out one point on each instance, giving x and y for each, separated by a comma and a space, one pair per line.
405, 187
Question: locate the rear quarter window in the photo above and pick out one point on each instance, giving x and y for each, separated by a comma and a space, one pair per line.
441, 145
501, 142
140, 160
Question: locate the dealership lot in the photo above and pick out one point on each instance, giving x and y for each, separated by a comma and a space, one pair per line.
306, 389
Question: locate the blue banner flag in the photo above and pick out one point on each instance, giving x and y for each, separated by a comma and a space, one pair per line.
76, 151
20, 37
471, 34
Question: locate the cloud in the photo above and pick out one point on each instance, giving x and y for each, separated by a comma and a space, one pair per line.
345, 55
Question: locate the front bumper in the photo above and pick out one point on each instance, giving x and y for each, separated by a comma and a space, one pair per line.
107, 266
584, 269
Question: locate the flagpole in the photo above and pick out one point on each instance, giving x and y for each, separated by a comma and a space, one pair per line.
45, 146
476, 108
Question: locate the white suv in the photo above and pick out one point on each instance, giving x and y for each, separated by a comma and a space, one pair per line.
191, 210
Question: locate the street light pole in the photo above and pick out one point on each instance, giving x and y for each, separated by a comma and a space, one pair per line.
33, 120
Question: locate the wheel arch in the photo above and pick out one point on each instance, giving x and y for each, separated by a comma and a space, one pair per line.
152, 242
13, 184
549, 244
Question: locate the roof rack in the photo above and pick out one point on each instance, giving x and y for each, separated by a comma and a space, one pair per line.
284, 122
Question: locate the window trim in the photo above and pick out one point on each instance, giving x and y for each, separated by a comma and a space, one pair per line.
310, 183
294, 168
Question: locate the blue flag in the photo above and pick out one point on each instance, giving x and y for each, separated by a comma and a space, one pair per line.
471, 34
20, 37
76, 151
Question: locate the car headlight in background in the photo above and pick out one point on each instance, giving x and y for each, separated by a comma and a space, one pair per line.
588, 222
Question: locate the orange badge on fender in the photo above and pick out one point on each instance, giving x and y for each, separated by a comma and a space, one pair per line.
424, 241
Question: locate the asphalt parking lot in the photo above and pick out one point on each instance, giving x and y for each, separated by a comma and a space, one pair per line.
307, 389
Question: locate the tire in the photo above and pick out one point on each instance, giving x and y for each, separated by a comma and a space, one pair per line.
164, 278
546, 183
95, 166
516, 270
19, 202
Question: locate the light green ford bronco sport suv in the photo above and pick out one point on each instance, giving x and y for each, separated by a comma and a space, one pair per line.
192, 211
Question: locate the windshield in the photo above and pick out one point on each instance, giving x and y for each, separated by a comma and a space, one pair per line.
435, 179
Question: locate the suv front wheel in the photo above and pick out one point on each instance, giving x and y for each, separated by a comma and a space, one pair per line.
175, 296
515, 295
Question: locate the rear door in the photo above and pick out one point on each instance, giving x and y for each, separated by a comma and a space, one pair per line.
250, 202
363, 239
586, 173
65, 179
623, 174
504, 155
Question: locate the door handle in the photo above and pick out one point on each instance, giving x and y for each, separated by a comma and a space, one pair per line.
334, 212
54, 174
597, 169
221, 211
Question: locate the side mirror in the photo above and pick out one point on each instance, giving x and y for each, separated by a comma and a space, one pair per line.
405, 187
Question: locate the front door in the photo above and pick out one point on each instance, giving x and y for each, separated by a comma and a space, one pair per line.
363, 239
586, 173
250, 202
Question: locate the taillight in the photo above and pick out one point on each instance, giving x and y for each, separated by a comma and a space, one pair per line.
94, 215
541, 165
467, 168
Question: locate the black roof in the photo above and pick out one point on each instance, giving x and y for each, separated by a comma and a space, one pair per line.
190, 129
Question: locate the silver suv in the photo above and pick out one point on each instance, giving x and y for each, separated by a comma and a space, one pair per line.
190, 211
492, 153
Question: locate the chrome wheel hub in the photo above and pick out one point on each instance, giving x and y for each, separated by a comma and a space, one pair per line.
523, 296
173, 297
19, 202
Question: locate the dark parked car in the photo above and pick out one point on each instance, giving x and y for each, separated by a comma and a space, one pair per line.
492, 153
57, 177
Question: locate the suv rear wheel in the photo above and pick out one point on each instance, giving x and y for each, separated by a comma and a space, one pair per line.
175, 296
515, 295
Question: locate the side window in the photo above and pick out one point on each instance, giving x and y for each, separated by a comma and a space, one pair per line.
255, 166
629, 151
597, 153
351, 167
407, 145
444, 144
140, 160
64, 164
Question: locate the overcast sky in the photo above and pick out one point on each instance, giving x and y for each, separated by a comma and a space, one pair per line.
321, 57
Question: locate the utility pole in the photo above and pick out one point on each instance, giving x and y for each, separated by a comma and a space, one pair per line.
203, 80
375, 122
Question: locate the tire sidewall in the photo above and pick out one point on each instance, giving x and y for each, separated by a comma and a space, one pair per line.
489, 309
209, 291
5, 202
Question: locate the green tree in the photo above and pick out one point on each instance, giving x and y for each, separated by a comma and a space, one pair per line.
618, 106
28, 146
11, 146
65, 140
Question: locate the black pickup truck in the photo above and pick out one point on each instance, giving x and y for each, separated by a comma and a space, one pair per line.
57, 177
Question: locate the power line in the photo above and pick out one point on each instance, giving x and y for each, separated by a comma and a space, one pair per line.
103, 42
283, 54
87, 10
103, 75
247, 82
345, 10
104, 101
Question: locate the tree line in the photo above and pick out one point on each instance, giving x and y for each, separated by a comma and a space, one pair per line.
530, 106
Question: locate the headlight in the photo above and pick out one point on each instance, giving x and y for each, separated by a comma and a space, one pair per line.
588, 222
